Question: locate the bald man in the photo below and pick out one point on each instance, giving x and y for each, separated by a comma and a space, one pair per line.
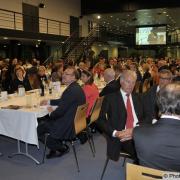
112, 85
121, 112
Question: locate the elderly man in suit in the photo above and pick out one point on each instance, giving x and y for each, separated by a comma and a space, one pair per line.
60, 124
158, 145
121, 112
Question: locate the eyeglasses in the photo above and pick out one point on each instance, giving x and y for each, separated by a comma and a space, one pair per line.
167, 79
67, 74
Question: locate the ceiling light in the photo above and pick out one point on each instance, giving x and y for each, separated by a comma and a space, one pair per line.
164, 12
167, 15
4, 46
19, 44
5, 37
41, 5
99, 17
111, 16
39, 40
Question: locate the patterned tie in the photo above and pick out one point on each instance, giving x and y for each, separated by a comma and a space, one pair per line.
130, 119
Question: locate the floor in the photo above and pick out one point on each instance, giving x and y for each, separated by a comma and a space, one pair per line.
63, 168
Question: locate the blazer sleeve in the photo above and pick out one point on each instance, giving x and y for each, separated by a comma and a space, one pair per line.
102, 121
66, 101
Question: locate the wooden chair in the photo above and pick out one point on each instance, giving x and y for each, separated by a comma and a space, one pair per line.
135, 172
146, 85
137, 87
123, 155
79, 125
94, 114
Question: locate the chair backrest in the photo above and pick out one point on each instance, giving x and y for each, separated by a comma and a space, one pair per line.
146, 85
80, 118
96, 109
135, 172
137, 86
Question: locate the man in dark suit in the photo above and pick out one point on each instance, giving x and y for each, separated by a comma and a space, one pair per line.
120, 113
60, 124
150, 108
112, 85
158, 145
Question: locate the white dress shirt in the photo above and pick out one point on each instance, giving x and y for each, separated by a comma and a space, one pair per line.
124, 96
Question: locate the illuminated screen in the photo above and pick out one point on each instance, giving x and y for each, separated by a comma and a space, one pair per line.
151, 35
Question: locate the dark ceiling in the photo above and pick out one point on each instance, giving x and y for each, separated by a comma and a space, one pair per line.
121, 17
125, 23
112, 6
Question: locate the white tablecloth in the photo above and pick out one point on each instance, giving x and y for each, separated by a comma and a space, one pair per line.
22, 124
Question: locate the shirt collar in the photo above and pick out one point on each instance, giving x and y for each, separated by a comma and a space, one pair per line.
158, 88
124, 93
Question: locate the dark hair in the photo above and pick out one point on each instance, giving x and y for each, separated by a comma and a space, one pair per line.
166, 71
88, 74
168, 99
75, 72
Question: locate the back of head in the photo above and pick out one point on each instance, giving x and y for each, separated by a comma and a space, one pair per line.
109, 74
168, 99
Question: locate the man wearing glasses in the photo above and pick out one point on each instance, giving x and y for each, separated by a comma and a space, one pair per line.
60, 124
149, 98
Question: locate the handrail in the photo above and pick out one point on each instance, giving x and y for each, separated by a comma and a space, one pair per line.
33, 16
84, 44
14, 20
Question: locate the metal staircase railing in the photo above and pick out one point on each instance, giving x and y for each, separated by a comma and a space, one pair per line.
80, 49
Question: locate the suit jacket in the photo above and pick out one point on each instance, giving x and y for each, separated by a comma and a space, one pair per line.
158, 145
111, 87
113, 117
150, 109
62, 126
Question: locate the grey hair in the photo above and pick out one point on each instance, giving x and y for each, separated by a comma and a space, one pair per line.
168, 99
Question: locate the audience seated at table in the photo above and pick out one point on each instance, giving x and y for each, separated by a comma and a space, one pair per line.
20, 79
158, 145
60, 123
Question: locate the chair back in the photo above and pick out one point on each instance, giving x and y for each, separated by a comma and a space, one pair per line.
135, 172
137, 87
96, 110
146, 85
80, 118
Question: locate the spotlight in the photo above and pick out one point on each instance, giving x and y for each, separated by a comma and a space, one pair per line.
41, 5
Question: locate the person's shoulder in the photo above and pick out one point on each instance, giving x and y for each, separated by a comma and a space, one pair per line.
143, 129
113, 95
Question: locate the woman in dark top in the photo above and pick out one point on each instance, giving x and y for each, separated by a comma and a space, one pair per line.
20, 79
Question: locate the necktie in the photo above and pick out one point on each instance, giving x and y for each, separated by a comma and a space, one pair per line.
130, 119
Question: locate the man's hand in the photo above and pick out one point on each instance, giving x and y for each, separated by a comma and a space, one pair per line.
43, 102
50, 109
124, 135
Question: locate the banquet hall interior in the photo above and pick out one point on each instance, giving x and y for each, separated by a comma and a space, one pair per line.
41, 41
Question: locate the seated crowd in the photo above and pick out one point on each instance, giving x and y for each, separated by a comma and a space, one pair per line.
140, 112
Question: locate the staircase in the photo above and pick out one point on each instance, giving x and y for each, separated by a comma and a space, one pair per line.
74, 48
80, 49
